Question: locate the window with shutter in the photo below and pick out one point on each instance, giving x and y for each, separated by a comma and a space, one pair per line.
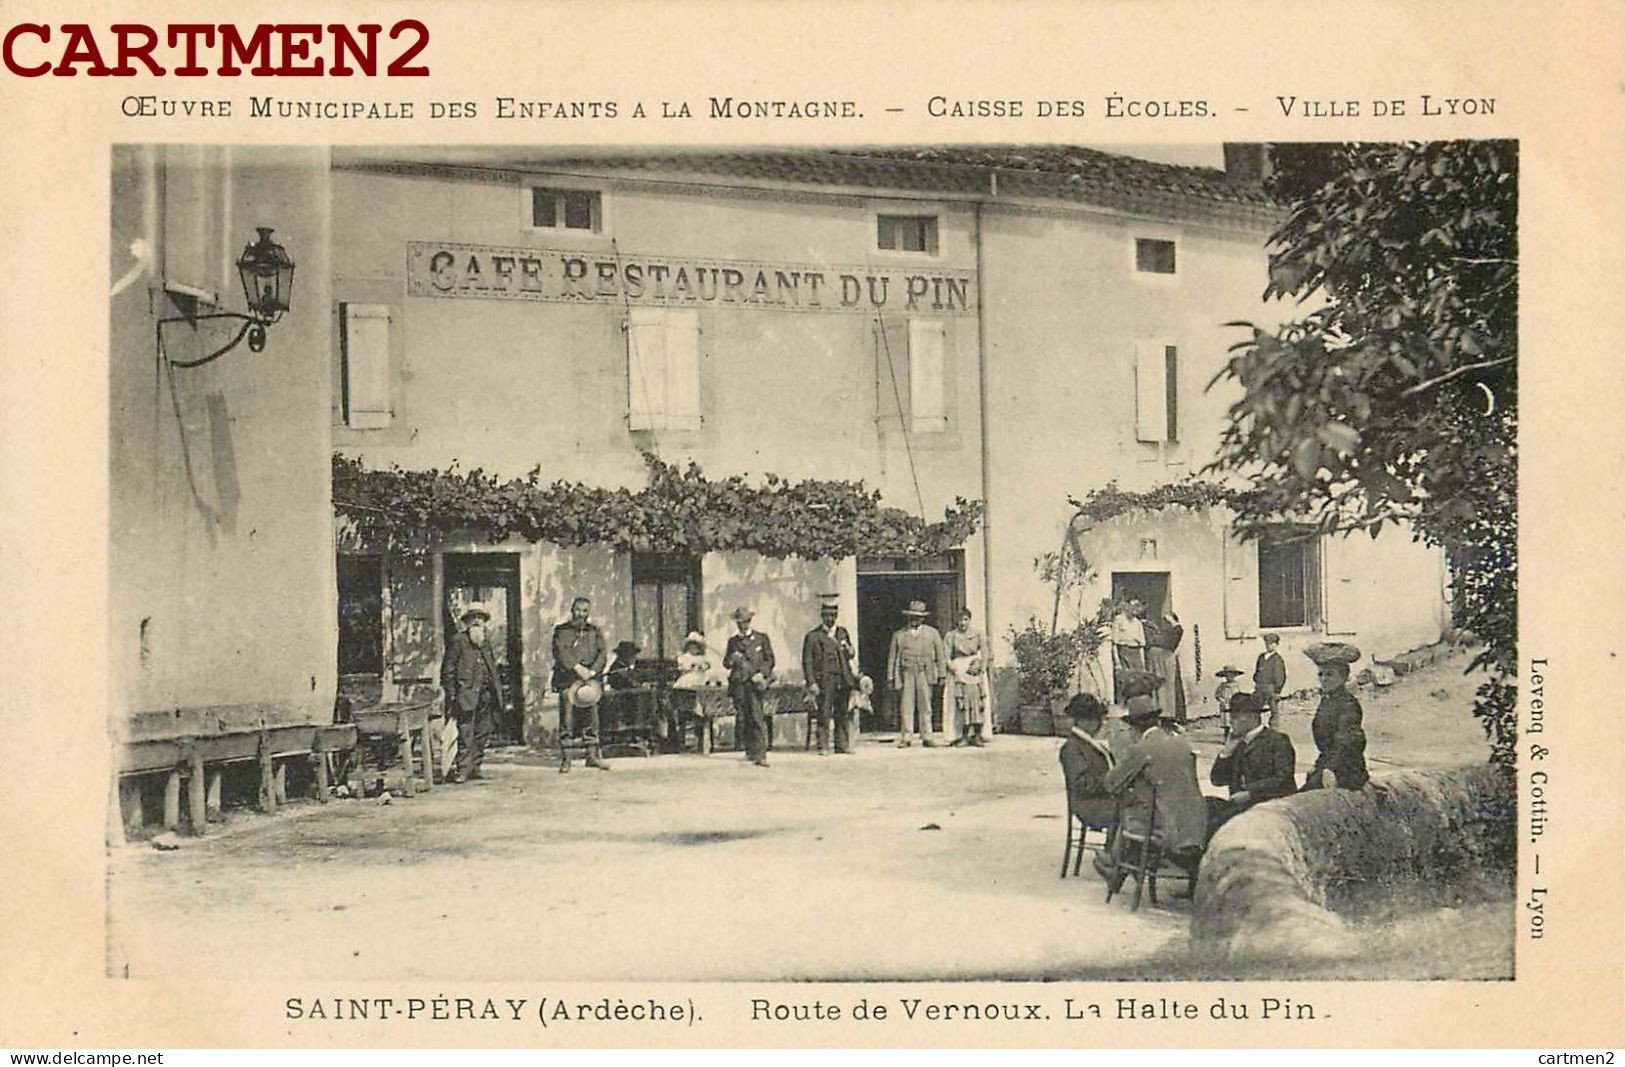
198, 261
1240, 586
893, 388
927, 370
364, 344
1151, 392
663, 369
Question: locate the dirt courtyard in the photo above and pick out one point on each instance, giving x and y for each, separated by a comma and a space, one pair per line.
886, 864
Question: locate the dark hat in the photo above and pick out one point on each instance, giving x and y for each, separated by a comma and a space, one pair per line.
1141, 709
743, 614
1228, 672
916, 608
1137, 683
475, 613
1332, 652
628, 647
1246, 702
1085, 706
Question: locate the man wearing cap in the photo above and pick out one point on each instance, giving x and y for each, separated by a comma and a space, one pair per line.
826, 663
1269, 676
749, 662
1257, 763
579, 655
916, 663
473, 686
1161, 761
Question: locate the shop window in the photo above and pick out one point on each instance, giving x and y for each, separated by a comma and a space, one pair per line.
663, 369
364, 346
1156, 392
1288, 577
912, 376
908, 233
665, 602
361, 615
1154, 256
566, 209
199, 262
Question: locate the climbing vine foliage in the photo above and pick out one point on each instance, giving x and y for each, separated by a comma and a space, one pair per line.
680, 510
1107, 502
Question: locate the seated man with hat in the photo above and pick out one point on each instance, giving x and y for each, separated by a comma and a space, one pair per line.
1086, 759
1257, 763
1337, 727
621, 673
474, 696
1160, 761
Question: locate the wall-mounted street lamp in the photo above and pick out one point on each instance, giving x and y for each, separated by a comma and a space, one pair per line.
267, 276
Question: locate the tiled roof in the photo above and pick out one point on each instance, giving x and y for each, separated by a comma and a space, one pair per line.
1046, 171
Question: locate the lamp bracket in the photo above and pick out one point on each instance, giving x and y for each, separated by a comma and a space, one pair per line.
253, 328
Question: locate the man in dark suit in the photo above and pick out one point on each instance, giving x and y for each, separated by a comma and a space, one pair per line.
579, 654
1257, 763
749, 661
826, 662
1086, 759
1269, 676
473, 686
1163, 761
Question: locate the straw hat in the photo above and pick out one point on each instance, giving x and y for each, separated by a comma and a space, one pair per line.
1328, 652
916, 609
586, 694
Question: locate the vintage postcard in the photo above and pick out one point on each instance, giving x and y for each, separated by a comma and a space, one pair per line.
836, 525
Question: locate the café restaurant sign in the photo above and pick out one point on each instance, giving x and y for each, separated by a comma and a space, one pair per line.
573, 276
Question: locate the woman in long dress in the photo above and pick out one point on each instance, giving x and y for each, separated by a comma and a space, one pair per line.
967, 668
1162, 657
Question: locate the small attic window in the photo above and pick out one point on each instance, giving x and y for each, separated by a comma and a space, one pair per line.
1153, 256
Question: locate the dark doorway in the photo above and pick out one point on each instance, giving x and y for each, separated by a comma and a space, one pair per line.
885, 586
1150, 586
490, 581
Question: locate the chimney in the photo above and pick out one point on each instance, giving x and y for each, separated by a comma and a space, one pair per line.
1247, 163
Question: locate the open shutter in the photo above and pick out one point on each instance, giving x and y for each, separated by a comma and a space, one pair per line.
365, 353
1240, 586
1150, 391
1342, 590
646, 368
194, 221
682, 369
927, 376
893, 392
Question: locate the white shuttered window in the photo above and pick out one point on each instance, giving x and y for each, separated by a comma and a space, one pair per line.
663, 369
364, 340
1156, 390
927, 370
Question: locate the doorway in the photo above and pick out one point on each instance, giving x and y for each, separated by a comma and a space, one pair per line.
490, 581
1151, 587
886, 585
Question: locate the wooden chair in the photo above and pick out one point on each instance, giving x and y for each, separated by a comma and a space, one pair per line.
1077, 841
1148, 861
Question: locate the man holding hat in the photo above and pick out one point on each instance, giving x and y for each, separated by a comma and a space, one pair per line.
474, 694
915, 664
749, 662
1257, 763
826, 663
579, 655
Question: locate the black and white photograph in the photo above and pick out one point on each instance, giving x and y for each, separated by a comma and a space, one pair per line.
998, 562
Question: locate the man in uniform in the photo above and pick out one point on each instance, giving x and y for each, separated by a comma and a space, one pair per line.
749, 661
474, 695
579, 655
826, 661
915, 664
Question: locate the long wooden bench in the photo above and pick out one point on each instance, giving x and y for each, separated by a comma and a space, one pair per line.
196, 763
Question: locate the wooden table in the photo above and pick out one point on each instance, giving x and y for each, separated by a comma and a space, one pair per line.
402, 723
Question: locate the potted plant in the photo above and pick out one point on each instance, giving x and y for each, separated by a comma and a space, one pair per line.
1046, 663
